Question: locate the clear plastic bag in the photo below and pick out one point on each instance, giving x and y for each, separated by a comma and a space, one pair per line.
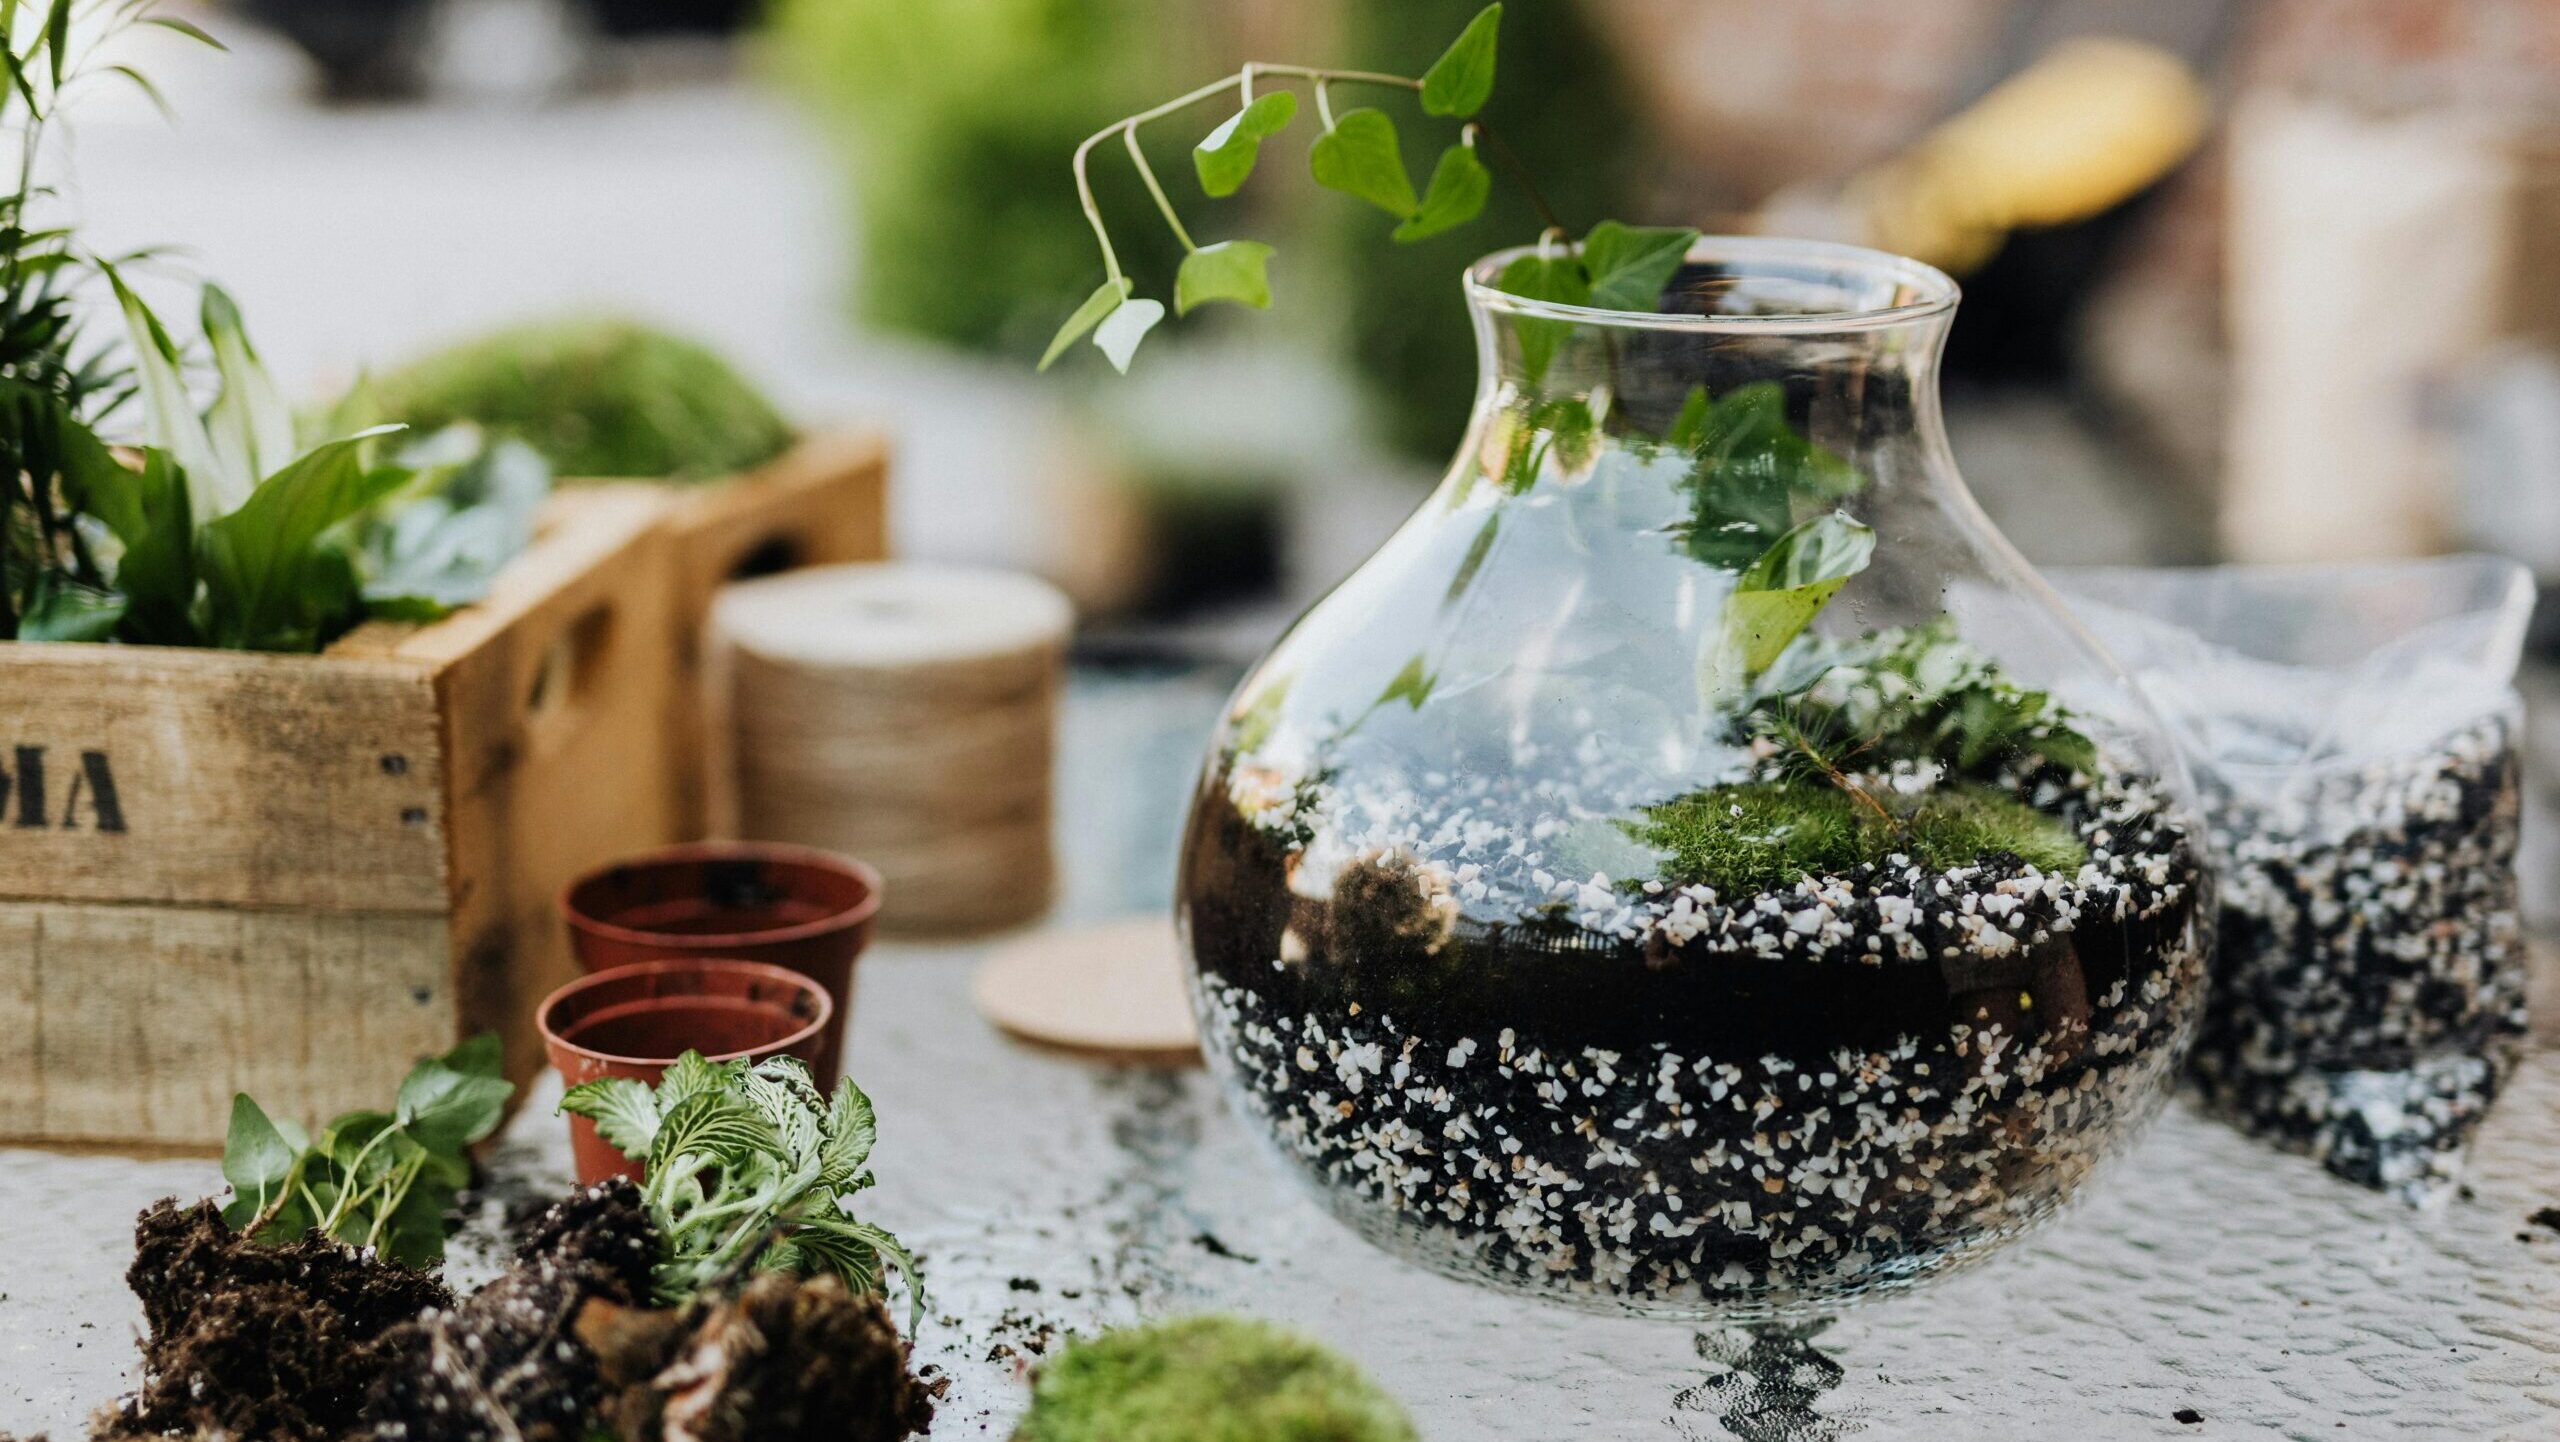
2353, 733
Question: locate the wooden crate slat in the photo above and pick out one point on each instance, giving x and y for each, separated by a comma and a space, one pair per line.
263, 781
137, 1023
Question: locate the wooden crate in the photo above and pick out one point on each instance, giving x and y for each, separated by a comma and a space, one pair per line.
293, 875
822, 503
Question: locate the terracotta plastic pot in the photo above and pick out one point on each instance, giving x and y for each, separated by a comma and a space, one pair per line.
634, 1021
796, 907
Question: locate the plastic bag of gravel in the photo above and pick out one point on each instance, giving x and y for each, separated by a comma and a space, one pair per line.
2353, 733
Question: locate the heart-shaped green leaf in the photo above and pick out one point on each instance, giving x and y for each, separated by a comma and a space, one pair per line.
1101, 303
1461, 80
1230, 270
1120, 331
1226, 156
1778, 595
1630, 264
1412, 685
1459, 185
1359, 156
1555, 278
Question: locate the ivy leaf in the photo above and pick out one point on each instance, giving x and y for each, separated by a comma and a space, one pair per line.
1777, 596
1229, 270
1225, 156
625, 1113
1459, 185
256, 1160
1412, 685
447, 1103
1750, 468
1461, 80
1629, 265
1120, 331
1359, 157
1558, 279
1101, 303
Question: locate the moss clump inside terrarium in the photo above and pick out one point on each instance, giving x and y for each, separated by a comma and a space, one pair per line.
1764, 835
1208, 1379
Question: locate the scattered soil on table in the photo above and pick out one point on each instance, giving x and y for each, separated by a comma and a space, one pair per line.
2548, 1217
503, 1363
278, 1343
783, 1360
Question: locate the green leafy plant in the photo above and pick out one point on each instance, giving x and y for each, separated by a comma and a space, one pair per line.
471, 509
749, 1167
1923, 693
1358, 153
373, 1179
594, 396
56, 383
1207, 1379
218, 528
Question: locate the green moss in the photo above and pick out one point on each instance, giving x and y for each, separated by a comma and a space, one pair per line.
597, 397
1207, 1379
1763, 835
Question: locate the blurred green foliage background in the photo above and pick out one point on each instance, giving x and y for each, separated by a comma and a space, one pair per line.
957, 120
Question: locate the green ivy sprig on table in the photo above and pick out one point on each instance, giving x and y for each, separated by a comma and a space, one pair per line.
383, 1180
1358, 154
749, 1167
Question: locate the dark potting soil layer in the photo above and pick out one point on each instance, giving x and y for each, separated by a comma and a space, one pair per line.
1722, 1104
2369, 988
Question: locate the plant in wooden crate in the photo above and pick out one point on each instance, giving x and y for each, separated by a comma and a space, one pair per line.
284, 874
217, 527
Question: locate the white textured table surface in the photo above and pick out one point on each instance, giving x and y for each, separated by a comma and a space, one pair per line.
2203, 1272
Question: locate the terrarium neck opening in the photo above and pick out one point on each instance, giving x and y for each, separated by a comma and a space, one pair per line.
1745, 286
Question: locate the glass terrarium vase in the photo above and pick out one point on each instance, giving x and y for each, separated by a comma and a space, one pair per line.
1696, 867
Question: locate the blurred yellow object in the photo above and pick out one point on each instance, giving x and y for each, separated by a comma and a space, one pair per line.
2083, 129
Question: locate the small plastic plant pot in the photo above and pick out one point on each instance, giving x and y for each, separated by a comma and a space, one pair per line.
634, 1021
795, 907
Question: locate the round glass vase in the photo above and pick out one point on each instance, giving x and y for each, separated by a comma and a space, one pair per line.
1696, 868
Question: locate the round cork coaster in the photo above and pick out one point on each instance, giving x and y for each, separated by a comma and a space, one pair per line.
1114, 990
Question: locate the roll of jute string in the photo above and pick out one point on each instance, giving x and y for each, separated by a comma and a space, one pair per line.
905, 714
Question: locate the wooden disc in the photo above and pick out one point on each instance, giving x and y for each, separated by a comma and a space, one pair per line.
952, 634
1113, 990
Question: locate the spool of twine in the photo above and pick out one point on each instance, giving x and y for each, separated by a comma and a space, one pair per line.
907, 715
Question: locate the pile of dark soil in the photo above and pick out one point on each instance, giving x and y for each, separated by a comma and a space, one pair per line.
502, 1364
253, 1341
784, 1360
316, 1342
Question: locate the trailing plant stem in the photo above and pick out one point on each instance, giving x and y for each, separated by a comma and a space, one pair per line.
1147, 173
1242, 79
